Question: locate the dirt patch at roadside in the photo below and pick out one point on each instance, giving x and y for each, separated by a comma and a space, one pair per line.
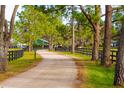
81, 75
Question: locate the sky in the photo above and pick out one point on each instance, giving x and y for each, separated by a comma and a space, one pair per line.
9, 10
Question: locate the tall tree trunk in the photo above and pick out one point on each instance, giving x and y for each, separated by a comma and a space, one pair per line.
2, 19
73, 32
30, 48
107, 37
30, 45
96, 28
6, 48
119, 69
50, 43
5, 36
95, 49
6, 45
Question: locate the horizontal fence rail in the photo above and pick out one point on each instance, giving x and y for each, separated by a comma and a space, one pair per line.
85, 51
15, 54
88, 51
113, 56
62, 49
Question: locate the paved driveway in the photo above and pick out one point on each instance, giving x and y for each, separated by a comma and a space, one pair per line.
55, 71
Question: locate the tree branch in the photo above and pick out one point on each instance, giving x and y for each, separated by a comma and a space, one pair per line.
12, 21
116, 20
114, 10
2, 18
87, 16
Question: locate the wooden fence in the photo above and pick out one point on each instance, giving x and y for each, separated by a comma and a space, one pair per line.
88, 51
113, 56
15, 54
85, 51
62, 49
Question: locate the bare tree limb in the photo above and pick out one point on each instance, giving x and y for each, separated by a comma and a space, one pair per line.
114, 10
12, 21
2, 18
88, 17
116, 20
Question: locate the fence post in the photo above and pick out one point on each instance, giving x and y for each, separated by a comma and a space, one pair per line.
35, 55
12, 55
112, 57
9, 55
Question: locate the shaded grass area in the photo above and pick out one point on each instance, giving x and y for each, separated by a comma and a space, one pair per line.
77, 55
92, 74
20, 65
98, 76
14, 49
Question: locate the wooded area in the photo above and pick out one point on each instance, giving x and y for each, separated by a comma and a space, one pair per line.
69, 27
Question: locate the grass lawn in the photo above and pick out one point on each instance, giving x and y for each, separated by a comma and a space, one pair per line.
14, 49
98, 76
92, 73
20, 65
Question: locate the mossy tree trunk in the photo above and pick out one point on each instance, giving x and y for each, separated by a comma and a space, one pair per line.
5, 36
119, 69
6, 45
2, 19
